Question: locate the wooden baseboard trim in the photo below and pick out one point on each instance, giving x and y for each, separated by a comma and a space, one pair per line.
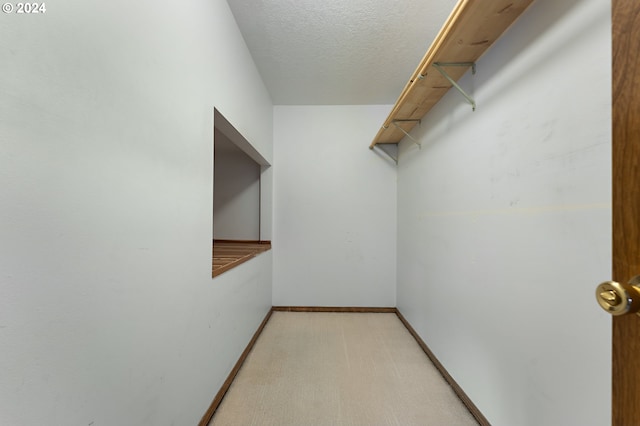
355, 309
475, 412
232, 375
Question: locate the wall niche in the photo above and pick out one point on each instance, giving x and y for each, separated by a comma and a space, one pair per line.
237, 200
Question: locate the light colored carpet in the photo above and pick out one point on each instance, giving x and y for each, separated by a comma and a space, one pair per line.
339, 369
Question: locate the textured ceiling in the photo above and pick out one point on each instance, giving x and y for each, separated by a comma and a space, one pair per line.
332, 52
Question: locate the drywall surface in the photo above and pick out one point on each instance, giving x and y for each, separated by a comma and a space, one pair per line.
236, 193
334, 208
504, 222
108, 313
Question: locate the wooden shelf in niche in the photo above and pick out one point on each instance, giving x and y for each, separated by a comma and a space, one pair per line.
227, 254
472, 27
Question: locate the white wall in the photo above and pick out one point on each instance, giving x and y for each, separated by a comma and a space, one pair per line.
334, 208
108, 313
236, 193
504, 222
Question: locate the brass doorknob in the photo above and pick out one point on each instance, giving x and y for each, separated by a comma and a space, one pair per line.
619, 299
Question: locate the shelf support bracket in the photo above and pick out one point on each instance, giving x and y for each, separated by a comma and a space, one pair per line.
439, 66
395, 123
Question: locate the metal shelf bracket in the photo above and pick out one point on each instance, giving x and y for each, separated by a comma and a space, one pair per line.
395, 123
439, 66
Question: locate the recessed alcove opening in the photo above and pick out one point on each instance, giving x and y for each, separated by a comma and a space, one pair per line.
237, 202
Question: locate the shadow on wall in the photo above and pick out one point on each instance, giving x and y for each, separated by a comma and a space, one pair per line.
227, 154
236, 184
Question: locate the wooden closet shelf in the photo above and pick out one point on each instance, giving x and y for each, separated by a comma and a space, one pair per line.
472, 27
227, 254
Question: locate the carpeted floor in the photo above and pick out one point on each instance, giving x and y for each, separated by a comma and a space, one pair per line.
339, 369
